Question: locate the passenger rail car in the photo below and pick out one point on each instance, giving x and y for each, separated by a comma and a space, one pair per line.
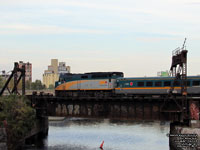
155, 85
94, 83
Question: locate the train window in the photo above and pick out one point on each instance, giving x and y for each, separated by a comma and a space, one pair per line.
99, 76
196, 83
149, 84
167, 83
188, 83
177, 83
84, 77
141, 84
158, 83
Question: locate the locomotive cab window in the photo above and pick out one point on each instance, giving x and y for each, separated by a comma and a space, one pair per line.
196, 83
158, 83
141, 84
99, 76
167, 83
84, 77
149, 84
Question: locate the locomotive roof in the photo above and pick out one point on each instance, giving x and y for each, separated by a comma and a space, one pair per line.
92, 73
104, 73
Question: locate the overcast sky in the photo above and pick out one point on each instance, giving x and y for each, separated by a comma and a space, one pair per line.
135, 37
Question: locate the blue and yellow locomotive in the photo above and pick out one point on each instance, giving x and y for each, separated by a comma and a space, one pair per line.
113, 83
94, 83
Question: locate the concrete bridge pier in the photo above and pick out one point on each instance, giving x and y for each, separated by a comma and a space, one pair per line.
186, 135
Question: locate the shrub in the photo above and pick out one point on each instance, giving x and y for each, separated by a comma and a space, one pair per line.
18, 115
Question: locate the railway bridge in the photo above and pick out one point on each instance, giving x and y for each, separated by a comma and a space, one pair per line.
172, 106
180, 109
138, 107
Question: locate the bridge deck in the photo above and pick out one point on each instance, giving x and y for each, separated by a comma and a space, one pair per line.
138, 107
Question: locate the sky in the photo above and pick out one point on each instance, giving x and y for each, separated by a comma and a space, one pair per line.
135, 37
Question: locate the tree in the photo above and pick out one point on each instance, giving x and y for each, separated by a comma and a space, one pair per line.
28, 85
11, 84
18, 116
37, 85
51, 86
1, 82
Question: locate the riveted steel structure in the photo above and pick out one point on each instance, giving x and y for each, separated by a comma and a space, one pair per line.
17, 74
178, 70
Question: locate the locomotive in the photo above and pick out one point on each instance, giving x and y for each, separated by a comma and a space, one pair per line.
114, 83
94, 83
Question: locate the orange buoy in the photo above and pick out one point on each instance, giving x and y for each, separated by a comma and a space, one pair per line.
101, 146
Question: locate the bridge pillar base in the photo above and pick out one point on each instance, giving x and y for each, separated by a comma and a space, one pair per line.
182, 137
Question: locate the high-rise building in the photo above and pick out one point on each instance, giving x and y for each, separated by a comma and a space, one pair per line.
28, 68
62, 68
54, 64
51, 75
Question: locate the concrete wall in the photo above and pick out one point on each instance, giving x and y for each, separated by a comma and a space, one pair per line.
182, 137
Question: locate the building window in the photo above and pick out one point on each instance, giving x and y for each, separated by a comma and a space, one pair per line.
196, 83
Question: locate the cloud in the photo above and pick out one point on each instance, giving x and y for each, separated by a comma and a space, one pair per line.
156, 39
195, 2
113, 6
44, 29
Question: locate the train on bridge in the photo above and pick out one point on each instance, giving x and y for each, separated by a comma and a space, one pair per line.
114, 83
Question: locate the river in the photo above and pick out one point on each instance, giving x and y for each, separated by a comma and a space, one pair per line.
88, 134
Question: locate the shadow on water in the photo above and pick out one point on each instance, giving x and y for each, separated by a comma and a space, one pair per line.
92, 121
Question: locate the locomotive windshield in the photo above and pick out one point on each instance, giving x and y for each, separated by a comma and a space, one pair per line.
106, 74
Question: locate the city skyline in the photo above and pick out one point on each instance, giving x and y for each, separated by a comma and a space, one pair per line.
135, 37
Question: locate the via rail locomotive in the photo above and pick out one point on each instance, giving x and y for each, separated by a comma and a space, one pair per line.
114, 83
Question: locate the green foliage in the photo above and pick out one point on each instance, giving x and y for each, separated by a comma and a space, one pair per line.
37, 85
51, 86
1, 82
11, 83
28, 85
18, 114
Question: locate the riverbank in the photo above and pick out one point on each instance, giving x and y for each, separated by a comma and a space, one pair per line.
20, 122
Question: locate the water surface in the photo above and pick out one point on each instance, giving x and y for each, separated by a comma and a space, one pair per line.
88, 134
